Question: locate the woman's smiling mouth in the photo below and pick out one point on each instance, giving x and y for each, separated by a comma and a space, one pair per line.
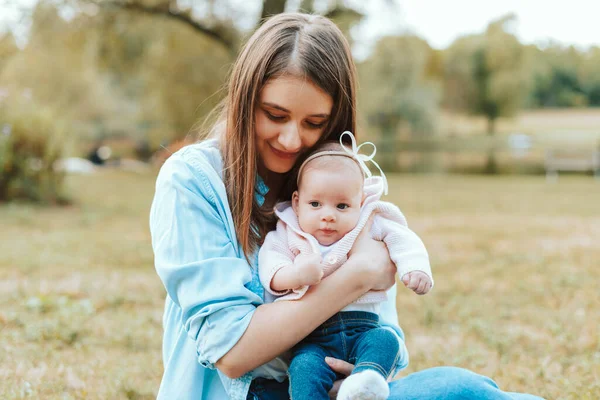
283, 154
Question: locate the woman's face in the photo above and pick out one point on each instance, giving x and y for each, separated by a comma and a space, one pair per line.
290, 117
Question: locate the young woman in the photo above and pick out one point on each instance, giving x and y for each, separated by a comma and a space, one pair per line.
292, 86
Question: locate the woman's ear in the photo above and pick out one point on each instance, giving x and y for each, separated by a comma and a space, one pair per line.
295, 201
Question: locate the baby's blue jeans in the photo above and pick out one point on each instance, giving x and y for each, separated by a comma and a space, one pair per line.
353, 336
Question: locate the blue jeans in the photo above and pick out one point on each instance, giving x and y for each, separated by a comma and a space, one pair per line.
353, 336
439, 383
268, 389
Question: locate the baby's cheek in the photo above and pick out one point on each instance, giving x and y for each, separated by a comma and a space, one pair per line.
307, 221
354, 222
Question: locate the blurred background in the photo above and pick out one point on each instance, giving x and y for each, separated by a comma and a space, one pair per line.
486, 115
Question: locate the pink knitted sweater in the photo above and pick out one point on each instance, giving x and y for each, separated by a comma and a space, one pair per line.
282, 245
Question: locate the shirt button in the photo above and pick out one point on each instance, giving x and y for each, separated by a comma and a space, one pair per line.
332, 259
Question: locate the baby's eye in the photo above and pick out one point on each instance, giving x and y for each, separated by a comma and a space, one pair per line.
342, 206
314, 204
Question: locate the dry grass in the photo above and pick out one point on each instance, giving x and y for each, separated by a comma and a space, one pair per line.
515, 262
529, 121
516, 296
555, 127
80, 303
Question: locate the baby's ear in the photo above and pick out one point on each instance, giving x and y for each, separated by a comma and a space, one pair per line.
295, 201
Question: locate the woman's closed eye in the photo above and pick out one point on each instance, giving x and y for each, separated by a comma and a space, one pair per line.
282, 118
313, 125
273, 117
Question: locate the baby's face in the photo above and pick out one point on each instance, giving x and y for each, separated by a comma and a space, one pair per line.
328, 203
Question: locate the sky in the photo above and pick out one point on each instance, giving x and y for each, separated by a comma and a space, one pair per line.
440, 22
571, 22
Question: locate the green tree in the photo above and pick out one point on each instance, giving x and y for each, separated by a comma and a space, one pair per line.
589, 75
557, 73
54, 69
8, 48
397, 94
146, 70
485, 75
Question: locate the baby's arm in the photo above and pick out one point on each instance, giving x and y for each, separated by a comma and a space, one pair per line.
305, 271
407, 251
280, 270
274, 255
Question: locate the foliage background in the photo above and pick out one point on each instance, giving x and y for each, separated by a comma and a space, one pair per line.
144, 73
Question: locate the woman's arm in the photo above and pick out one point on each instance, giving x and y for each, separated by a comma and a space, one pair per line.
278, 326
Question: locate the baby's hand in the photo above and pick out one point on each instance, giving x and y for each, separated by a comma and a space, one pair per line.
309, 269
417, 281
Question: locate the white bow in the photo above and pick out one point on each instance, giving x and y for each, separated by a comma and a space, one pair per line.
363, 158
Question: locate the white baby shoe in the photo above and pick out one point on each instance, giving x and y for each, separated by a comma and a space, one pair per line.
365, 385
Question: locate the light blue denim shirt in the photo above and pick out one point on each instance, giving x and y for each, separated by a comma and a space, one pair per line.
212, 291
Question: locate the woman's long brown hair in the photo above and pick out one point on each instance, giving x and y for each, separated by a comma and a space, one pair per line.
308, 46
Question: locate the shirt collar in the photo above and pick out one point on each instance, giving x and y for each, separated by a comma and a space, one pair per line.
260, 190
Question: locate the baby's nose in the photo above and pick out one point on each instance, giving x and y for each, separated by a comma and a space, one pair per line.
328, 217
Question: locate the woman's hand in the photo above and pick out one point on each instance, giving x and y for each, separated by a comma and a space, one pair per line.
372, 257
341, 367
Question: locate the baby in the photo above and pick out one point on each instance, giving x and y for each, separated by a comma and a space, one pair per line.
314, 234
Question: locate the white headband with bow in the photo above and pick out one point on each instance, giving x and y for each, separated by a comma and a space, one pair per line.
363, 158
353, 153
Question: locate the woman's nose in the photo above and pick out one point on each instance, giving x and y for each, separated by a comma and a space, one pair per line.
289, 137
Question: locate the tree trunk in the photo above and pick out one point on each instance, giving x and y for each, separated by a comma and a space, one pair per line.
272, 7
491, 166
388, 146
307, 6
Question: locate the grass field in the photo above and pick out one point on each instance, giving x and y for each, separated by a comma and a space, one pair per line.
574, 125
515, 261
